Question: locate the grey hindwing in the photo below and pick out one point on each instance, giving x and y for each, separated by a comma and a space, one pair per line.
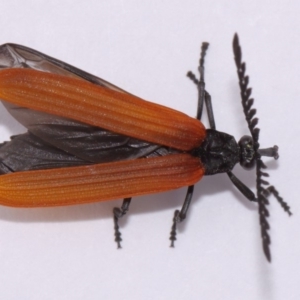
53, 141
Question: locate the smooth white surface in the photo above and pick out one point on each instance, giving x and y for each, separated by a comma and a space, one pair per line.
146, 47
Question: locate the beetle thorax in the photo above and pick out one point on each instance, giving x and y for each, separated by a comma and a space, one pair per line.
219, 152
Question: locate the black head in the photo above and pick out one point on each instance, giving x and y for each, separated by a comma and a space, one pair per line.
247, 153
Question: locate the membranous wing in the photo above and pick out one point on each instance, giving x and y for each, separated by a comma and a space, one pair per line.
28, 152
91, 144
17, 56
53, 141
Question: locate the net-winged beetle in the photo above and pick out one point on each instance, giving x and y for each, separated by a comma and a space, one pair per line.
89, 141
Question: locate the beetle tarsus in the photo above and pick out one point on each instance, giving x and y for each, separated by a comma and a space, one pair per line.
118, 238
200, 83
203, 95
192, 76
118, 214
176, 220
204, 48
179, 216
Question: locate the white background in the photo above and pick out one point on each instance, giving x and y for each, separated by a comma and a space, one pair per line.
146, 47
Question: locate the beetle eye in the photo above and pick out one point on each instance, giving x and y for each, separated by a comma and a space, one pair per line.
247, 153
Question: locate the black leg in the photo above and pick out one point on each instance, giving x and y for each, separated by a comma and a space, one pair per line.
119, 213
210, 112
179, 216
202, 94
242, 187
266, 192
200, 83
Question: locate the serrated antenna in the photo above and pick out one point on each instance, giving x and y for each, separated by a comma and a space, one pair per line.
263, 188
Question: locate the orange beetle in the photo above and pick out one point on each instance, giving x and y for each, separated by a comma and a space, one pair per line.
90, 141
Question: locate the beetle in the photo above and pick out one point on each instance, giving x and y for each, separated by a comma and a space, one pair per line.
89, 140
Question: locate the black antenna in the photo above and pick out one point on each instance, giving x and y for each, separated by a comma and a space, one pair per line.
262, 186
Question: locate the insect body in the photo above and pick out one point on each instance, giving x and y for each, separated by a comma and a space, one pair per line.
90, 141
